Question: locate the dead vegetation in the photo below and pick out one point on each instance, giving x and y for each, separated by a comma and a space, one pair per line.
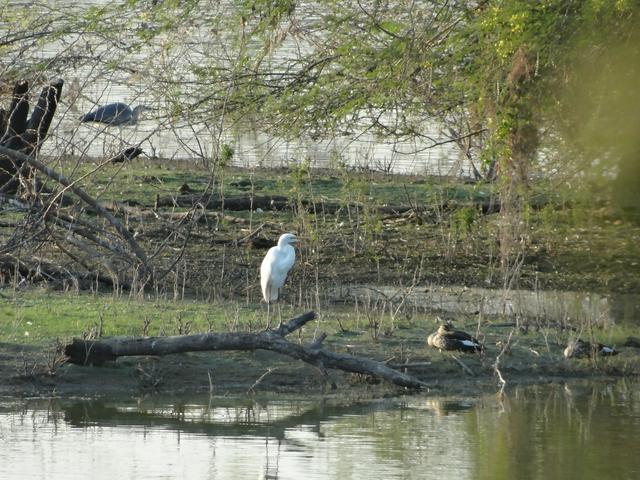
512, 356
71, 235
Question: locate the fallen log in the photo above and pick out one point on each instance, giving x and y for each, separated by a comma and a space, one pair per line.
268, 202
236, 203
141, 212
96, 352
280, 202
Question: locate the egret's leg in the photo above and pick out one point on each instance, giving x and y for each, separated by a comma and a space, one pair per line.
268, 315
279, 316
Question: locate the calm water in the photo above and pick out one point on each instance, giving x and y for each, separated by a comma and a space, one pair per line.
586, 430
140, 79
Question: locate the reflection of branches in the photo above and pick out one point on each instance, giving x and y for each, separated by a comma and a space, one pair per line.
82, 413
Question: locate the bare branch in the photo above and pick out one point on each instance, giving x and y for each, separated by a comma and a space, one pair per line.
84, 352
120, 228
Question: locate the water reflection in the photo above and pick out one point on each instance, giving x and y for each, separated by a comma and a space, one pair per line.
586, 430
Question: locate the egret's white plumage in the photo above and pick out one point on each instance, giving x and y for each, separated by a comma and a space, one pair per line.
275, 267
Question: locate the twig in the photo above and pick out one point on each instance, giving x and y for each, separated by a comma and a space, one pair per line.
250, 235
496, 364
210, 382
464, 367
259, 380
409, 365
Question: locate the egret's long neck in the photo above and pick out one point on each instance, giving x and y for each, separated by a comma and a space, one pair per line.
282, 243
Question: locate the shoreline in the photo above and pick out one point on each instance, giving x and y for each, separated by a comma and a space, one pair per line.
247, 374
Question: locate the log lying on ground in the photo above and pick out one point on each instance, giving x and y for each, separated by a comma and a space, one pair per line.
279, 202
267, 202
85, 352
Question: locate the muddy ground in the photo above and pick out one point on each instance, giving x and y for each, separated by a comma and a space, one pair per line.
443, 243
531, 357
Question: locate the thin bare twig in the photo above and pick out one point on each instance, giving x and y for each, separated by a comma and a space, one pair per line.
464, 367
496, 364
251, 390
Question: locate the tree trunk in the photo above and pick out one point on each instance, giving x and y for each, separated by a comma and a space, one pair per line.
522, 143
23, 134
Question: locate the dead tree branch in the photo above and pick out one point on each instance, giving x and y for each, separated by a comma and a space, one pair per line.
21, 136
496, 364
58, 177
83, 352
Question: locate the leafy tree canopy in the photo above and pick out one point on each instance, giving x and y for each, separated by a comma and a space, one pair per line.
485, 70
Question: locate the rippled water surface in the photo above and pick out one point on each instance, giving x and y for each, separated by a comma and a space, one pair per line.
586, 430
141, 79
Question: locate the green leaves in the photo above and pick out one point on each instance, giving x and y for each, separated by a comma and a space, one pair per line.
226, 154
334, 67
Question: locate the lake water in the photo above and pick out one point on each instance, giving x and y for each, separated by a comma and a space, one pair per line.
152, 76
578, 430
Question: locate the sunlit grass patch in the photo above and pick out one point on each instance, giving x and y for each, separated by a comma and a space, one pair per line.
40, 316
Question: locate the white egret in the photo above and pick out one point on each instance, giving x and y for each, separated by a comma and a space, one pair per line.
274, 269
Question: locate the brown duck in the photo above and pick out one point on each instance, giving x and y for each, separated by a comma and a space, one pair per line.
448, 339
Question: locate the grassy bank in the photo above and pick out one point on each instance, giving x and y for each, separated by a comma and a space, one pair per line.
446, 235
36, 324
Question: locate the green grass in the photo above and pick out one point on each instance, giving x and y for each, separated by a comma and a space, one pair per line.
38, 316
142, 181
